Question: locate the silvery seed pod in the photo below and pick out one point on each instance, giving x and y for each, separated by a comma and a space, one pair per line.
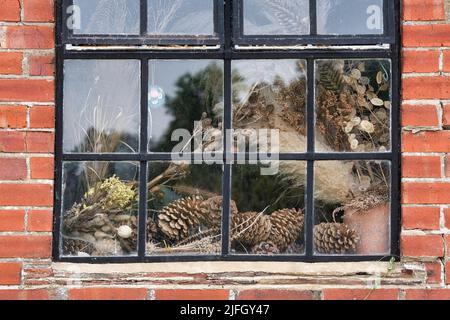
124, 232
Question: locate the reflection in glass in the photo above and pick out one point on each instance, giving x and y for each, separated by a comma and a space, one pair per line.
349, 17
276, 17
353, 105
271, 94
100, 208
184, 208
352, 207
181, 17
107, 17
101, 106
267, 215
181, 93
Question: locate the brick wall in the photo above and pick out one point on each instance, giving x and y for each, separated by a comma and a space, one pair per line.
26, 170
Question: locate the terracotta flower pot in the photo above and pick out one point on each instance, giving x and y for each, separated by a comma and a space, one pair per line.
373, 229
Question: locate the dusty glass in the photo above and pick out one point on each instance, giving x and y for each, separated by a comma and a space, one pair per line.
101, 106
181, 17
100, 208
184, 208
270, 95
350, 17
267, 208
353, 105
276, 17
115, 17
185, 101
352, 207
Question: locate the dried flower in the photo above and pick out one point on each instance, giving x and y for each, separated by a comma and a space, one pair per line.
367, 126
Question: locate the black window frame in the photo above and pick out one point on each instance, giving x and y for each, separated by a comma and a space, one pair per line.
229, 52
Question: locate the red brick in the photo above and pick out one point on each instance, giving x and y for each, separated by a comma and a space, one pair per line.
11, 62
436, 141
446, 61
433, 272
12, 141
360, 294
12, 220
191, 294
42, 168
40, 142
446, 115
29, 37
26, 90
13, 169
426, 87
447, 272
425, 193
420, 61
447, 218
447, 243
10, 273
419, 116
13, 117
26, 195
24, 295
10, 10
428, 294
430, 35
108, 294
41, 65
38, 10
42, 117
421, 167
423, 10
275, 295
426, 218
422, 246
25, 246
40, 220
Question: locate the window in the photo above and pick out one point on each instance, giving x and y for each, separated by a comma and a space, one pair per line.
198, 130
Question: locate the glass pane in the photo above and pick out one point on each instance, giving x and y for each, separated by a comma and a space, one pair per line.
268, 208
184, 208
353, 105
100, 208
101, 106
349, 17
352, 207
276, 17
180, 94
181, 17
106, 17
271, 95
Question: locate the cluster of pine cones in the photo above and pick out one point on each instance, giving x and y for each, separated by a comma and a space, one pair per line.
260, 233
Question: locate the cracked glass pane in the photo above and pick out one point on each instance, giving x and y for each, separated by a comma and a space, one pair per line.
107, 17
276, 17
349, 17
101, 106
181, 17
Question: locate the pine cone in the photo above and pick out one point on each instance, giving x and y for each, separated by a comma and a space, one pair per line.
265, 248
251, 228
286, 227
73, 247
178, 218
212, 210
335, 238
